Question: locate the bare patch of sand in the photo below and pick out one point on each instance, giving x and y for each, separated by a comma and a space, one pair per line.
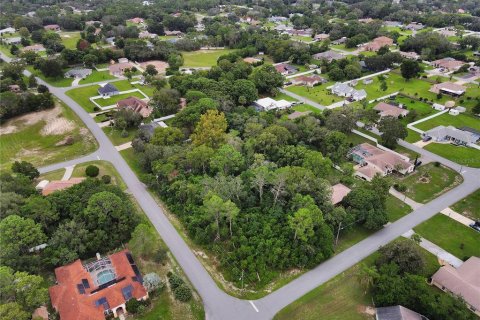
17, 123
57, 126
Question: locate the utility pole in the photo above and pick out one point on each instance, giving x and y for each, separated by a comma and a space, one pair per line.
338, 233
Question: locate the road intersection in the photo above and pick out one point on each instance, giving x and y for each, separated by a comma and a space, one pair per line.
218, 304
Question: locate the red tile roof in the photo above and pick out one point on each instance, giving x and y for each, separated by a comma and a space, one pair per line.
72, 305
136, 105
60, 185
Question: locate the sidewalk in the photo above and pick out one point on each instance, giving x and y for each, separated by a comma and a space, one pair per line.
68, 172
436, 250
457, 217
412, 203
124, 146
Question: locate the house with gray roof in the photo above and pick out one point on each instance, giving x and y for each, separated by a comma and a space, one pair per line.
78, 73
329, 56
13, 40
453, 135
344, 90
397, 313
108, 90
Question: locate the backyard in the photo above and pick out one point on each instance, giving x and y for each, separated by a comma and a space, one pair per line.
450, 235
469, 206
430, 181
203, 58
44, 137
319, 94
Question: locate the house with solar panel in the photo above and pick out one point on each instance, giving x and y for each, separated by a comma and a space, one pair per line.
97, 289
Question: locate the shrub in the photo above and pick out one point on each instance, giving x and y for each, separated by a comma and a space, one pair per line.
436, 164
400, 187
124, 133
175, 281
92, 171
133, 305
96, 108
160, 255
183, 293
106, 179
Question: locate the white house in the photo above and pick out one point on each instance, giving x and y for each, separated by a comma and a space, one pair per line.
439, 107
7, 30
268, 104
344, 90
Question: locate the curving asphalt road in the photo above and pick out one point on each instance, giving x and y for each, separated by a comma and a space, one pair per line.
218, 304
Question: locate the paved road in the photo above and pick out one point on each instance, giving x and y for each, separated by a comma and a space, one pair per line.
219, 305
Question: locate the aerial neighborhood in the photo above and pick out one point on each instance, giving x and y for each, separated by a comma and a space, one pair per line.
240, 160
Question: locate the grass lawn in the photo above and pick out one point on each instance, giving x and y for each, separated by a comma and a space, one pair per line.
351, 236
396, 209
97, 76
343, 297
450, 235
114, 99
131, 159
413, 136
469, 206
26, 141
203, 58
449, 120
342, 47
462, 155
56, 82
429, 182
106, 168
319, 94
306, 107
115, 135
82, 95
301, 38
70, 39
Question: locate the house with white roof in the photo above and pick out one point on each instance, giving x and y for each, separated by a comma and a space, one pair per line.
344, 90
267, 104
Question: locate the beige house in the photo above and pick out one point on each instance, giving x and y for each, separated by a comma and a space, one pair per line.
386, 110
448, 88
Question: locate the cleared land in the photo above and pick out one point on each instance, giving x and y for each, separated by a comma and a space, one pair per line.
429, 182
469, 206
44, 137
466, 156
70, 39
319, 94
203, 58
446, 119
452, 236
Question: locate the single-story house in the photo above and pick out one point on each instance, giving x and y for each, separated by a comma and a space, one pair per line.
397, 313
414, 26
108, 90
438, 106
412, 55
448, 63
149, 128
463, 281
372, 160
251, 60
321, 36
448, 88
277, 19
378, 43
147, 35
339, 191
367, 81
267, 104
298, 114
137, 105
329, 56
49, 187
175, 33
342, 40
308, 80
93, 290
52, 27
300, 32
7, 30
136, 20
285, 69
13, 40
80, 73
392, 24
385, 110
344, 90
93, 23
110, 41
118, 69
452, 134
34, 47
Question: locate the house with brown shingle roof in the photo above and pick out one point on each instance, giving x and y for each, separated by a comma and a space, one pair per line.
450, 88
137, 105
308, 80
372, 160
378, 43
97, 289
118, 69
386, 110
35, 48
463, 281
52, 27
449, 64
136, 20
57, 185
339, 191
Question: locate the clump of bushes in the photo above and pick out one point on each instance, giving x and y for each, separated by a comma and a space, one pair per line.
400, 187
106, 179
92, 171
180, 289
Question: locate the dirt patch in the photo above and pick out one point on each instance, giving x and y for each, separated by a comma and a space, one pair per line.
424, 180
57, 126
29, 119
366, 310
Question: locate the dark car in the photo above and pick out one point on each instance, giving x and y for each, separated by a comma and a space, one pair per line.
427, 138
475, 226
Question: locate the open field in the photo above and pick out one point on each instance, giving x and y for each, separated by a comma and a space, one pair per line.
41, 137
203, 58
469, 157
469, 206
319, 94
114, 99
396, 209
452, 236
97, 76
70, 39
448, 120
429, 181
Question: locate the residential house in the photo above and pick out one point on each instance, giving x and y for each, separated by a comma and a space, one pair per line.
277, 19
339, 191
365, 20
300, 32
15, 88
463, 281
342, 40
447, 32
13, 40
285, 69
34, 47
252, 60
372, 160
175, 33
137, 105
308, 80
147, 35
329, 56
149, 128
388, 110
136, 20
47, 187
110, 41
412, 55
397, 313
450, 88
52, 27
7, 31
118, 69
321, 36
98, 289
107, 90
378, 43
267, 104
449, 64
394, 24
344, 90
367, 81
439, 107
79, 73
453, 135
414, 26
93, 23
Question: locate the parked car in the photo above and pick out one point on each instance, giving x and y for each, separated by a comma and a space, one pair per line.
426, 138
475, 226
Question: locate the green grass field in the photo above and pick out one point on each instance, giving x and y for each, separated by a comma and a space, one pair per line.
70, 39
56, 82
413, 136
469, 206
449, 120
115, 135
203, 58
28, 144
114, 99
466, 156
396, 209
319, 94
429, 182
306, 107
97, 76
450, 235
